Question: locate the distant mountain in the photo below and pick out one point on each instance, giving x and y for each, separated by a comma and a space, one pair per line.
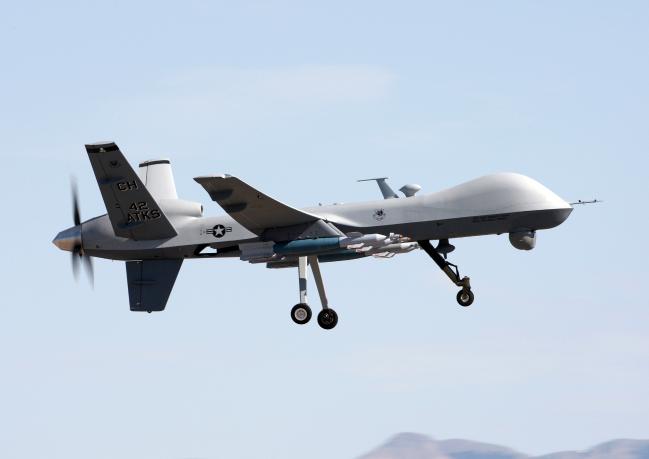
615, 449
465, 449
408, 446
417, 446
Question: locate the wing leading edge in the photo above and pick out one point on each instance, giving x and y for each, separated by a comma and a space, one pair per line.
250, 207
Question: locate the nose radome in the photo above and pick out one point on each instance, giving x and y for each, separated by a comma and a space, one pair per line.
68, 239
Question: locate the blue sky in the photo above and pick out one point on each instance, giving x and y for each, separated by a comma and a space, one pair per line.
301, 99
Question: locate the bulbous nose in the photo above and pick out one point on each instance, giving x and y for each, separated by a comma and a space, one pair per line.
68, 239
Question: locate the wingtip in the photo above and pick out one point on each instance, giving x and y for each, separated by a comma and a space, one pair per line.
202, 178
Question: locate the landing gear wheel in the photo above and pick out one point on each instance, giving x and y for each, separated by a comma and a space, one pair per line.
465, 297
327, 318
301, 313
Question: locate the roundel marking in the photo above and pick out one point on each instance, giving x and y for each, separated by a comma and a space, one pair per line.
218, 231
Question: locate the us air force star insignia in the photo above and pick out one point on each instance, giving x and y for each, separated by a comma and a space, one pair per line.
219, 231
379, 214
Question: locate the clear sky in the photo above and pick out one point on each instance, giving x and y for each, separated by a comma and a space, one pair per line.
301, 99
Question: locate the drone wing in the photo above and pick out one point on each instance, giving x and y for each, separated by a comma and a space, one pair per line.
253, 209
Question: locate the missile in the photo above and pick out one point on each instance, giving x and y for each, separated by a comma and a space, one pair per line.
354, 243
388, 251
393, 249
307, 246
326, 244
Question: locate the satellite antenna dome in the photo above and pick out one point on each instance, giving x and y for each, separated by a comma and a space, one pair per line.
410, 189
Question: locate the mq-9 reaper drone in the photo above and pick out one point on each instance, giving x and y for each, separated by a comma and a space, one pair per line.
153, 231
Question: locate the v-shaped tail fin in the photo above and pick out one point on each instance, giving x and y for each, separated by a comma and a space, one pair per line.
131, 209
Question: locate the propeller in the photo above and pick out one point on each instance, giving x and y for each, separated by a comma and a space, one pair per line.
78, 255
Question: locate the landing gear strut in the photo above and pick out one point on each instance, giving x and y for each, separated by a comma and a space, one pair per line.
465, 296
301, 312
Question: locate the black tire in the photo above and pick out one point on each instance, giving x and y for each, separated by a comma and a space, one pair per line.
327, 318
301, 313
465, 297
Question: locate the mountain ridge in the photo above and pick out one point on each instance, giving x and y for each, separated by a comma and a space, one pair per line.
410, 445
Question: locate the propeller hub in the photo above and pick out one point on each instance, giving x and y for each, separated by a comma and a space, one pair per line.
68, 239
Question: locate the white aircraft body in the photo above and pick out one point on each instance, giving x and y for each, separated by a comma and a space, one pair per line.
153, 231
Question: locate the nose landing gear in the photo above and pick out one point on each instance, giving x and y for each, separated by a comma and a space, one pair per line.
465, 296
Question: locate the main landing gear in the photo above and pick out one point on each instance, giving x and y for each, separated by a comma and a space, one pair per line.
301, 312
465, 296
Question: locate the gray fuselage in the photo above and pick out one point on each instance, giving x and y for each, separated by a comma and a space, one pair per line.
493, 204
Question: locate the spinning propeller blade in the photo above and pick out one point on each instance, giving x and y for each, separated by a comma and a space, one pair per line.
78, 255
75, 202
90, 271
75, 264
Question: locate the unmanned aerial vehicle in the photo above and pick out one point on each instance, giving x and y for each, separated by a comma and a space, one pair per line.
154, 232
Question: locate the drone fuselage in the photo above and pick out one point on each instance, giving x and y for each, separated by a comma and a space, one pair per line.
493, 204
154, 231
